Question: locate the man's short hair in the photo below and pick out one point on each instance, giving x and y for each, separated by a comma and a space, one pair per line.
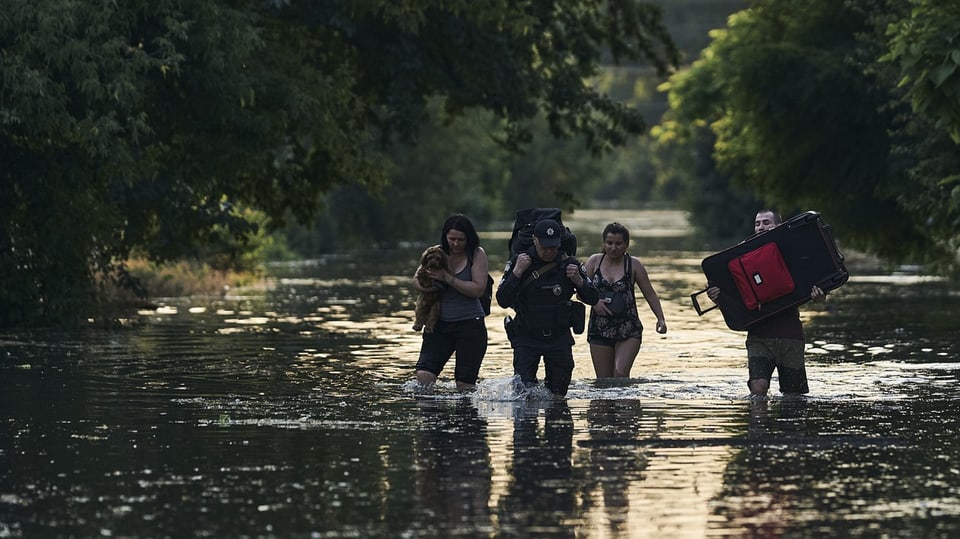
777, 218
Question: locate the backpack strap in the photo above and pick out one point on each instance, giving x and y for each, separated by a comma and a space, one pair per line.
628, 267
538, 272
599, 265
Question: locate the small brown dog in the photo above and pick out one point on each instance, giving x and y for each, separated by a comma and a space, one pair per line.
427, 310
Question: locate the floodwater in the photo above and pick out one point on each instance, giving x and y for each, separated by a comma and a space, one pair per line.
291, 412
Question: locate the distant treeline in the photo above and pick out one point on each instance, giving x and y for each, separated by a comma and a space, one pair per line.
224, 132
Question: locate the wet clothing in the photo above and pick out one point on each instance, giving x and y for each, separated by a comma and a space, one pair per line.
557, 362
468, 338
543, 307
785, 355
461, 329
778, 344
608, 330
454, 306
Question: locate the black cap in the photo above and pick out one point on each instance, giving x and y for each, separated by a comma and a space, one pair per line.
547, 232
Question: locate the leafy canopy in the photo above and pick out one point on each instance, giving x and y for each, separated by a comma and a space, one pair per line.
804, 114
152, 126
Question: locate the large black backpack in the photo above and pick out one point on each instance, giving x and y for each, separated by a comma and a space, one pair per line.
522, 237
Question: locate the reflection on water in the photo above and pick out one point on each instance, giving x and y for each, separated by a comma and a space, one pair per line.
541, 492
293, 412
612, 469
453, 467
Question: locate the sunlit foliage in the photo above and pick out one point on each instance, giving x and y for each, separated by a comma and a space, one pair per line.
801, 112
154, 125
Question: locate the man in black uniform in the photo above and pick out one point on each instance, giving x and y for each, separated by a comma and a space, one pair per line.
538, 284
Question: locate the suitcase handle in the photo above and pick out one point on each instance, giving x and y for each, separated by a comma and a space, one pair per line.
696, 304
827, 232
833, 281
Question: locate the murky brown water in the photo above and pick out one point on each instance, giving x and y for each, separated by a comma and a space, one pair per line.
292, 412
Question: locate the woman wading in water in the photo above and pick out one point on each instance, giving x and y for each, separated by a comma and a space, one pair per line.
615, 331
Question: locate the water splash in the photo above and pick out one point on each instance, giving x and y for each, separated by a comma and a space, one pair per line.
509, 389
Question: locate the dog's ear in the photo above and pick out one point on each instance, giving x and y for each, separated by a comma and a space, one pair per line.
424, 255
433, 251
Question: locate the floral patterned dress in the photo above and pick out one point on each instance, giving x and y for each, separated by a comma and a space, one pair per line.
616, 328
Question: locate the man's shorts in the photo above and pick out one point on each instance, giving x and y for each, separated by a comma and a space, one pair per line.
786, 356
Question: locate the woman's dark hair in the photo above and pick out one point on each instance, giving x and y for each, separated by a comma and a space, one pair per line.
615, 228
463, 224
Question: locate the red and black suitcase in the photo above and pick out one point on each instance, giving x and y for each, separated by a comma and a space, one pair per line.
773, 271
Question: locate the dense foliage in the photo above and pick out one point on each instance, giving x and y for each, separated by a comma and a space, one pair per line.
150, 127
171, 130
801, 108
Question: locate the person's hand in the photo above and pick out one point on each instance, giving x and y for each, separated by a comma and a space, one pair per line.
816, 294
573, 273
523, 262
713, 293
440, 275
601, 308
661, 327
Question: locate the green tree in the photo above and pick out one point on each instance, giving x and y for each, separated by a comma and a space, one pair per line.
804, 117
924, 50
456, 169
152, 125
452, 169
926, 45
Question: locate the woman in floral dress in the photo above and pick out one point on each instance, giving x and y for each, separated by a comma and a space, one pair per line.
615, 331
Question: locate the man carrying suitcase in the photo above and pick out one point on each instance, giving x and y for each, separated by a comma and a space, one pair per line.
776, 343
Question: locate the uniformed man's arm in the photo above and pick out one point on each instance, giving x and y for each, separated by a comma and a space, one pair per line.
509, 286
586, 291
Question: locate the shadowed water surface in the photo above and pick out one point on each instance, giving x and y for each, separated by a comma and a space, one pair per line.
292, 412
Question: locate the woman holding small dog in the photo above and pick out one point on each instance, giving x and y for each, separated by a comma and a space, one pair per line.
615, 331
461, 328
